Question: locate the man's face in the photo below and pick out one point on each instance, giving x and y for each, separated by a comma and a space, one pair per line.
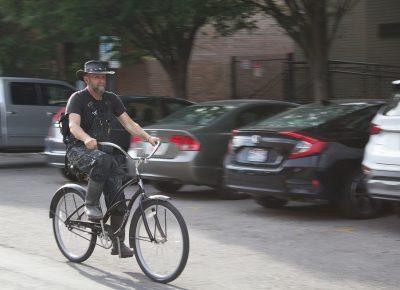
96, 82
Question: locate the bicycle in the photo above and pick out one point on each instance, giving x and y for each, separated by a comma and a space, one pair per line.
157, 232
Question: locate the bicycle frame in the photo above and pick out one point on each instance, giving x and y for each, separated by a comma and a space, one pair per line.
97, 227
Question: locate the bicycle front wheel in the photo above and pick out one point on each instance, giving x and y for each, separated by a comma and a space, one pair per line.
163, 258
76, 242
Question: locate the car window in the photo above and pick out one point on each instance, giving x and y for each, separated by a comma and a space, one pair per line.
197, 115
357, 121
143, 112
252, 115
24, 94
310, 115
171, 106
55, 94
393, 106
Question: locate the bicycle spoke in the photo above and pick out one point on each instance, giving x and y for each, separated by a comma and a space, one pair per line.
75, 241
162, 259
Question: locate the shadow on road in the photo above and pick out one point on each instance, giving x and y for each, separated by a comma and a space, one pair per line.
114, 281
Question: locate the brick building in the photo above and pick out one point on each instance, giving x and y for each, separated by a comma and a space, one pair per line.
366, 51
210, 67
251, 64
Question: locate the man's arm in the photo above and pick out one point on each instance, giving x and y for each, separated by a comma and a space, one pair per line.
77, 131
134, 129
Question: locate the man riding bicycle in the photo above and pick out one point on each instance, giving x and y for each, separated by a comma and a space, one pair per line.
90, 113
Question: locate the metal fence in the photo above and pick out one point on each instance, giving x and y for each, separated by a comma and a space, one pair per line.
281, 78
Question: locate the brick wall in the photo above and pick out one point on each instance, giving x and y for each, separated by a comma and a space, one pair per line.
210, 66
132, 80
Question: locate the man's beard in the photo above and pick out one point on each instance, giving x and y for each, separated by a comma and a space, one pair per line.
98, 89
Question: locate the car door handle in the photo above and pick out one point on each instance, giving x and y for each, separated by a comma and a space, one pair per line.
11, 113
50, 114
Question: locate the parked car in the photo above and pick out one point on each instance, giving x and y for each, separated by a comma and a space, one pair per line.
145, 110
27, 106
381, 163
194, 142
309, 153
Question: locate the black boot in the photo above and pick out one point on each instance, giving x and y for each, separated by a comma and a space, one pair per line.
92, 200
118, 242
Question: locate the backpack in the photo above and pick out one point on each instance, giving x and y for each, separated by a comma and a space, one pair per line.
63, 124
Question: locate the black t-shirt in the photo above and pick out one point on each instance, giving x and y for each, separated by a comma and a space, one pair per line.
96, 116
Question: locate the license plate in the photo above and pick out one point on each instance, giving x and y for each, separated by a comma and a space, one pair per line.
257, 155
149, 148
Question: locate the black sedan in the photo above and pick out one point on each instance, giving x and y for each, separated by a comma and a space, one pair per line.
309, 153
194, 142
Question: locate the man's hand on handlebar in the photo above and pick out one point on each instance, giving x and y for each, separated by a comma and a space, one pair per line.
91, 143
153, 140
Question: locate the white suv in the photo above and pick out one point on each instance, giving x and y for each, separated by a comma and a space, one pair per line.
381, 161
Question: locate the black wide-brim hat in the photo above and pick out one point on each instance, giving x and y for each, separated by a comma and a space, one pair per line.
94, 67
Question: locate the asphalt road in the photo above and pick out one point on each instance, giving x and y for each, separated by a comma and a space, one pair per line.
234, 244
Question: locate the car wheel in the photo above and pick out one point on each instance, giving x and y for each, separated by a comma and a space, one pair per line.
167, 186
226, 193
271, 202
355, 202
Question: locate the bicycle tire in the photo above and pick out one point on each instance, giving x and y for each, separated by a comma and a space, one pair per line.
65, 237
164, 260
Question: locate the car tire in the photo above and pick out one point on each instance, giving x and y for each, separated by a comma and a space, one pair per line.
271, 202
167, 186
226, 193
355, 202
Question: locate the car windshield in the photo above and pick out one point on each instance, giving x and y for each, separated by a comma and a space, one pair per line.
310, 115
197, 115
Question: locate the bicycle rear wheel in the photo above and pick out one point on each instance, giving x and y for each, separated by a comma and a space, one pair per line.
163, 259
75, 242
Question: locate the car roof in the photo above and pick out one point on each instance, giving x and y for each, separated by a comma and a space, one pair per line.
154, 97
38, 80
239, 102
351, 101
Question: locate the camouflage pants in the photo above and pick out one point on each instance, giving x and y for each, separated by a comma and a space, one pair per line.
101, 167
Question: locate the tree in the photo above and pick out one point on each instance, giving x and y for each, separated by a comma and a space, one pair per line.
312, 24
165, 29
21, 49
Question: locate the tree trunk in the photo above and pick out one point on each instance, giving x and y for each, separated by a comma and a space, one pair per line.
320, 79
178, 80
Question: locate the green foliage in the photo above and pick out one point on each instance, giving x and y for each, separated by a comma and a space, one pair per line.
165, 29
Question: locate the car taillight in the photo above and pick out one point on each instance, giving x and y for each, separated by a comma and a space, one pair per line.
54, 124
185, 143
135, 140
230, 143
374, 129
306, 146
366, 170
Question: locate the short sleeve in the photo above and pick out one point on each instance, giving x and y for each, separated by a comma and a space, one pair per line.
118, 106
74, 104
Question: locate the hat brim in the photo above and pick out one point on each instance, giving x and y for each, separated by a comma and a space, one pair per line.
80, 73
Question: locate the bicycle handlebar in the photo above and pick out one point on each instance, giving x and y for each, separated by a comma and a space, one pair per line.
127, 154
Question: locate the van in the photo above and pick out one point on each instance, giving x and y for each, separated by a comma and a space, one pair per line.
27, 106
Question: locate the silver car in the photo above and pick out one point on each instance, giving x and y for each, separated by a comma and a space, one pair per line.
27, 106
144, 110
195, 139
